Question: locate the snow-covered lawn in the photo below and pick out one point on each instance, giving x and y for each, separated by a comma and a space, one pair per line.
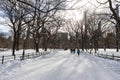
9, 52
61, 65
109, 52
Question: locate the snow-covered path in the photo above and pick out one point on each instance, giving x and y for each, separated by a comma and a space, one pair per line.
61, 66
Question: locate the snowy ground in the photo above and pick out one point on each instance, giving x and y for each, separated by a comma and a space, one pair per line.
9, 52
108, 51
61, 65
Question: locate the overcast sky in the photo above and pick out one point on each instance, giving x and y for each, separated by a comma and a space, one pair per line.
79, 5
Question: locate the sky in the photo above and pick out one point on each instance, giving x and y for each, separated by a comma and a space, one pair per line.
3, 25
79, 7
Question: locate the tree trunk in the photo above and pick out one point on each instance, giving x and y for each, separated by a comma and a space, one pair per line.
97, 45
17, 44
17, 40
82, 42
24, 45
37, 47
117, 38
105, 44
117, 45
46, 44
13, 49
14, 45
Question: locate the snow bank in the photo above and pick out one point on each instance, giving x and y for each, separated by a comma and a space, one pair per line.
109, 51
9, 52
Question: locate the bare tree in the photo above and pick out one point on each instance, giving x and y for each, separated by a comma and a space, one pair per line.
115, 15
15, 15
43, 12
52, 28
99, 25
31, 17
74, 27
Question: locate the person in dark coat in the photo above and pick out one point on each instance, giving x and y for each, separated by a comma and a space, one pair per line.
78, 52
72, 51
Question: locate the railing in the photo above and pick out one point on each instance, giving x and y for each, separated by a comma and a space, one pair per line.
4, 59
108, 56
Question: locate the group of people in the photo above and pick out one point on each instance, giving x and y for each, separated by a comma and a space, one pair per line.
73, 51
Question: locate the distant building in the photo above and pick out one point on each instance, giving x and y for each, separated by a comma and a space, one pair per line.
62, 36
62, 39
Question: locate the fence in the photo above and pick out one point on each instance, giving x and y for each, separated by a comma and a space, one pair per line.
7, 58
108, 56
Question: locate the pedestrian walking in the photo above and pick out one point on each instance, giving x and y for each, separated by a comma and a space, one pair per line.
72, 51
78, 52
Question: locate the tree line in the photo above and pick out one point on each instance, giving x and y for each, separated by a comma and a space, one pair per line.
32, 18
40, 20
